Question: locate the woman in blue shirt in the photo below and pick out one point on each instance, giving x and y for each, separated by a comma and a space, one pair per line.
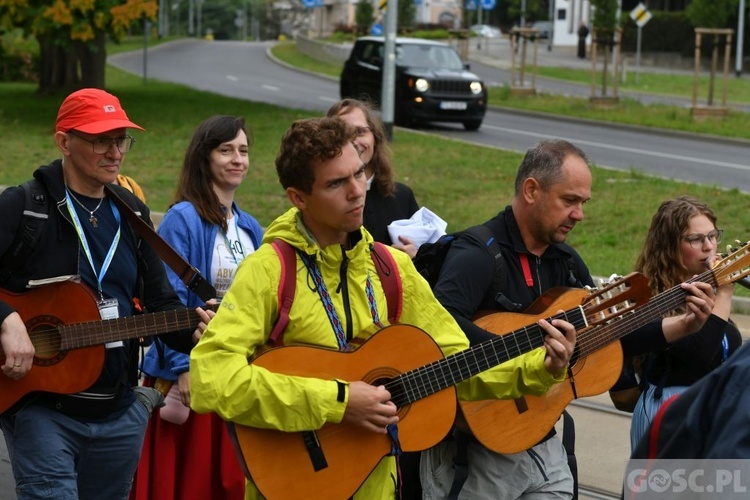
185, 454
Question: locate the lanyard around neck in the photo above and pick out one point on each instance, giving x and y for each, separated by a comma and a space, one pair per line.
84, 242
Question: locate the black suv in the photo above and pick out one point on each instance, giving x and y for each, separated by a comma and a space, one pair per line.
432, 82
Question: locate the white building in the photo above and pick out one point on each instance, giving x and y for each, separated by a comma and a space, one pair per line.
568, 15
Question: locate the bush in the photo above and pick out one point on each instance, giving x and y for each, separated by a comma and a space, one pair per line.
665, 32
19, 58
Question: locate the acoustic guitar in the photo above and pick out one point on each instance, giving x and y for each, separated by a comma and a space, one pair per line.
510, 426
63, 322
332, 462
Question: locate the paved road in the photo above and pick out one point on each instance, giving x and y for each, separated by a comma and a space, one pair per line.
243, 70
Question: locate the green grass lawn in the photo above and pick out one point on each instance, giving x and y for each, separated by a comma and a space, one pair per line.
463, 183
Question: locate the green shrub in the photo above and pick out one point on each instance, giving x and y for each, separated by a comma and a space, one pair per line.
665, 32
19, 58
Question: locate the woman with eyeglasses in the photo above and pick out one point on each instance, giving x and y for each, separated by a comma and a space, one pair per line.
681, 243
387, 200
186, 454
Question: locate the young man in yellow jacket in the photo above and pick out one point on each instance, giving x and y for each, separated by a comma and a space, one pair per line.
339, 296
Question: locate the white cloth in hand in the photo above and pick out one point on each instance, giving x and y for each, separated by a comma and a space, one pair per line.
422, 227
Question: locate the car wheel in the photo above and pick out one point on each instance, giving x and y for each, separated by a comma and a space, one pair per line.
472, 125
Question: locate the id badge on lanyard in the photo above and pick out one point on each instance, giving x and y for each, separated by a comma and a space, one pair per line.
108, 309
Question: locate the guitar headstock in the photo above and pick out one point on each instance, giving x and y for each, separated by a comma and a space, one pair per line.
734, 265
616, 298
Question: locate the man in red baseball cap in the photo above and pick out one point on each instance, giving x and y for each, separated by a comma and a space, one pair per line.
83, 444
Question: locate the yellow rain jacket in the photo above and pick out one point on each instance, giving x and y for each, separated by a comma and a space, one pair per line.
222, 381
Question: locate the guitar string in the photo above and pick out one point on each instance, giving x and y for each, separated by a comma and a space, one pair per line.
423, 381
82, 334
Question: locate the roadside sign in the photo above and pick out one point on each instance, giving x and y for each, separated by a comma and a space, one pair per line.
471, 4
376, 30
640, 15
487, 4
309, 3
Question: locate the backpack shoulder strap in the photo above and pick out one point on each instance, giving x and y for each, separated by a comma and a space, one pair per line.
484, 235
287, 287
384, 264
35, 213
391, 280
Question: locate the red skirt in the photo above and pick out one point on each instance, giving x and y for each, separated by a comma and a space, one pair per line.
194, 460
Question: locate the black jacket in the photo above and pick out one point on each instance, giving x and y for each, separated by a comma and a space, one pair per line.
382, 210
465, 285
57, 254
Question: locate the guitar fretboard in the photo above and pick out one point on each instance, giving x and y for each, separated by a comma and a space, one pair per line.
600, 336
434, 377
79, 335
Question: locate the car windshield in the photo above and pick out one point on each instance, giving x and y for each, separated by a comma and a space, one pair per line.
428, 56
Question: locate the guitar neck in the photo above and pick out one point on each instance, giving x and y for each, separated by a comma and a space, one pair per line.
600, 336
80, 335
434, 377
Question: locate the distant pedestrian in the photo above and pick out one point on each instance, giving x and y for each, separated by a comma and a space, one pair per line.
583, 32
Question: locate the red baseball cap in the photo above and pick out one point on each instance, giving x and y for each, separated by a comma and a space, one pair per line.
92, 111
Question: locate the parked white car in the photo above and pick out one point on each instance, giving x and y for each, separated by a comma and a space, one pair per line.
486, 31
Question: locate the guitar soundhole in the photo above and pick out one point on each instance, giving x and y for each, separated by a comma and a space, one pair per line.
46, 339
387, 377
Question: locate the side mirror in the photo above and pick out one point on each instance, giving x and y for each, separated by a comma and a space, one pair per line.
467, 66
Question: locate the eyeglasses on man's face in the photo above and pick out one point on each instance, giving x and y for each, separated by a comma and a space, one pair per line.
101, 145
696, 240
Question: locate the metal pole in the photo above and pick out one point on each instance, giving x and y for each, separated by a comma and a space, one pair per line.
551, 25
389, 68
191, 17
740, 38
479, 22
638, 57
200, 14
244, 24
146, 27
523, 13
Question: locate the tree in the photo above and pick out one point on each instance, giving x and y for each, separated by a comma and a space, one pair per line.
364, 15
604, 29
406, 14
711, 13
72, 35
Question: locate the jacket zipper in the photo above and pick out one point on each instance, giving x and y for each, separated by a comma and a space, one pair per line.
344, 289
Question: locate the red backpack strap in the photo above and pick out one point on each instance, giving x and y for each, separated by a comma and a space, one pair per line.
287, 287
393, 287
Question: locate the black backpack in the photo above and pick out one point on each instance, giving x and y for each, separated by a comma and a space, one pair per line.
35, 213
431, 256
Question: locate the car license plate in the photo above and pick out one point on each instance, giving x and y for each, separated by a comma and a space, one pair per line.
452, 105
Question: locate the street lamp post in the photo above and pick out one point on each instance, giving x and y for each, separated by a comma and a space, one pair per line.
740, 38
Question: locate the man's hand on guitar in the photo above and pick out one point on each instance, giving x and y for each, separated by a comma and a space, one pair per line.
370, 407
17, 347
205, 315
559, 342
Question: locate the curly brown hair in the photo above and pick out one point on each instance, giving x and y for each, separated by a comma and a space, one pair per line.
381, 164
307, 143
661, 259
